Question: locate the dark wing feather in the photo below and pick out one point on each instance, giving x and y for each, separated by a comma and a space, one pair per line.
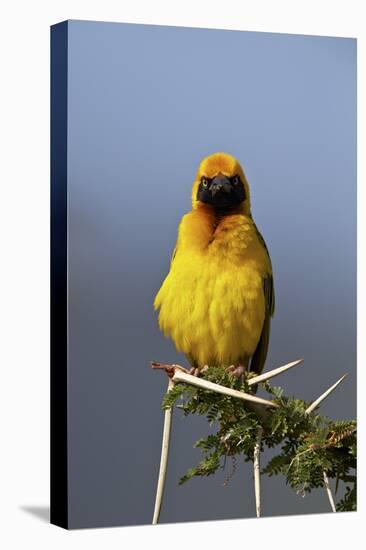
174, 253
260, 354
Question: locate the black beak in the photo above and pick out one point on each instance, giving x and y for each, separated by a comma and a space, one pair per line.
220, 183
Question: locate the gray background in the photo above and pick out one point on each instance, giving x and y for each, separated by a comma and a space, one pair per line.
146, 103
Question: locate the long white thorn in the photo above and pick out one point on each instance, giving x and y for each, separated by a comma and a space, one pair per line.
180, 376
257, 471
164, 458
324, 395
274, 372
308, 411
329, 491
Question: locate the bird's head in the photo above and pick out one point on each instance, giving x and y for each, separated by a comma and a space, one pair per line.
221, 184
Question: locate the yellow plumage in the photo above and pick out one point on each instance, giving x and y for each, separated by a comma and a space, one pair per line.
217, 298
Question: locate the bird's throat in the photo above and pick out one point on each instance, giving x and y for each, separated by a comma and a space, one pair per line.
220, 214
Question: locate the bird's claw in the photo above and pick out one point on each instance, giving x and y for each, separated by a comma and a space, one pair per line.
231, 368
196, 371
237, 371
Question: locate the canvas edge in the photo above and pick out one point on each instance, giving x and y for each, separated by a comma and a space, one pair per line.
58, 299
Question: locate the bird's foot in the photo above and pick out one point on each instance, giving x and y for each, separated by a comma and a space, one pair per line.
236, 370
196, 371
169, 369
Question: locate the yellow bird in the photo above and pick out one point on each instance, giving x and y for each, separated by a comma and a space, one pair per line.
217, 300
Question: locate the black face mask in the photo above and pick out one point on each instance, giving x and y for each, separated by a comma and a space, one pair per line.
221, 192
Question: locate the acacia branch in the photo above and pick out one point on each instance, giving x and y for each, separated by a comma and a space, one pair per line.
163, 459
324, 395
329, 491
257, 471
263, 409
275, 372
310, 409
178, 374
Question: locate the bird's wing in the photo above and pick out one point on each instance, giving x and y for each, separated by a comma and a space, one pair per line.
260, 354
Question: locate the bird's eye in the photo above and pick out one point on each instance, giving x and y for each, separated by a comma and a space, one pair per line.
204, 182
235, 179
